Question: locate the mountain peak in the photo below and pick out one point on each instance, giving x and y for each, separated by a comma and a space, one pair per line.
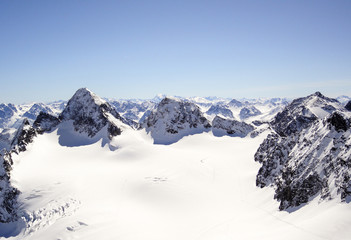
86, 94
318, 94
90, 113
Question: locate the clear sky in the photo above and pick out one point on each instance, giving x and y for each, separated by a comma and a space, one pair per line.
137, 49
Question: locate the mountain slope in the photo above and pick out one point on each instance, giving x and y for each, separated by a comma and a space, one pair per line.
309, 154
174, 119
89, 115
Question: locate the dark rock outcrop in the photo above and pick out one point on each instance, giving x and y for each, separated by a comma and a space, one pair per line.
221, 127
174, 119
8, 194
45, 122
348, 106
309, 155
90, 114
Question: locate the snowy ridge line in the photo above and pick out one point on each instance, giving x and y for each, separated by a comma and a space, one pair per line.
48, 215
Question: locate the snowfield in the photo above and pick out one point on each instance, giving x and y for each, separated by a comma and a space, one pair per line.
202, 187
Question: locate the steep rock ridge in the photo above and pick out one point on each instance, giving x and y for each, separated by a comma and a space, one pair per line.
302, 112
173, 119
309, 155
45, 122
8, 194
221, 127
23, 137
90, 114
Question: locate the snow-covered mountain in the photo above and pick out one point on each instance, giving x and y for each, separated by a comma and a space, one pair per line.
187, 171
221, 110
90, 114
11, 116
173, 119
136, 110
307, 157
222, 127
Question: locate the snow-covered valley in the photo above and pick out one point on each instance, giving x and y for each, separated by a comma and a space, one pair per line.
202, 187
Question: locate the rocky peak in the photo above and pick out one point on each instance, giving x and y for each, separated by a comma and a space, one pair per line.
45, 122
301, 112
309, 155
90, 114
173, 119
221, 127
23, 136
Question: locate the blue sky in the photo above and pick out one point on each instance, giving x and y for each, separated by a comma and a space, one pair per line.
137, 49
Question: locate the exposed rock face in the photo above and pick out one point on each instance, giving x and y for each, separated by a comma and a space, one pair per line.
302, 112
348, 106
249, 111
23, 137
45, 122
221, 127
8, 194
90, 114
310, 155
220, 109
174, 119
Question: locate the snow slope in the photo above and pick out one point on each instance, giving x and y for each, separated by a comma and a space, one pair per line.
202, 187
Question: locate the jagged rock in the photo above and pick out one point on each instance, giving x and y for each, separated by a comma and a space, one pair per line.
174, 119
337, 120
301, 112
90, 114
221, 127
23, 137
249, 111
348, 106
45, 122
310, 160
8, 194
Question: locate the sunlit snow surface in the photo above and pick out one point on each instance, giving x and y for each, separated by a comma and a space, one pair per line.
202, 187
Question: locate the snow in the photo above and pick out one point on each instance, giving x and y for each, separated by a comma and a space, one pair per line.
202, 187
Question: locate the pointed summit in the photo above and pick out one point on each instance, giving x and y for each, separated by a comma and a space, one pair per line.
90, 114
301, 112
